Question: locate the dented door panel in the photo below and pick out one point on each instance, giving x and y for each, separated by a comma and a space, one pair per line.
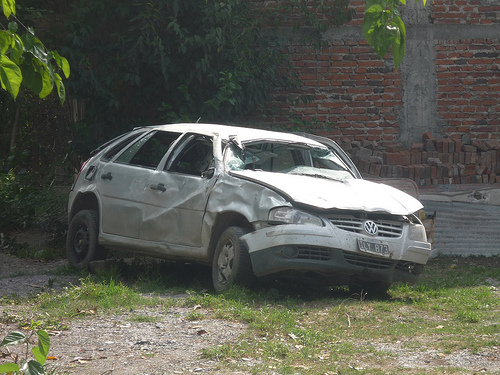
175, 214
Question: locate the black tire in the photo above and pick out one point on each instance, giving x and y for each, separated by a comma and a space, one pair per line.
81, 242
231, 263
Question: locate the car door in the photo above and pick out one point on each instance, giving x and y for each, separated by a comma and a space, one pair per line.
123, 183
178, 194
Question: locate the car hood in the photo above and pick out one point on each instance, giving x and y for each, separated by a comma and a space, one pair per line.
351, 194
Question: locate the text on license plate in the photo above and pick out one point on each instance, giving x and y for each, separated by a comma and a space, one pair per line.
373, 247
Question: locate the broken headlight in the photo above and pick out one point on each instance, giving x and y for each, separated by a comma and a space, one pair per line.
417, 233
290, 215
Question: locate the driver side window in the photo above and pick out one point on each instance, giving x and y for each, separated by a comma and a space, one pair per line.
195, 158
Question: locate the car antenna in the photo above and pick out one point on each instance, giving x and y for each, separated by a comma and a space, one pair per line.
197, 121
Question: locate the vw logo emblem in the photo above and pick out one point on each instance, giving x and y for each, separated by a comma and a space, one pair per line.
370, 227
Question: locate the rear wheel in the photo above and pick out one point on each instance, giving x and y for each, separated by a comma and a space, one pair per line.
81, 243
231, 263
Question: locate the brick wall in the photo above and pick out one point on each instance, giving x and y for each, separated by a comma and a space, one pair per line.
457, 160
469, 86
471, 12
357, 97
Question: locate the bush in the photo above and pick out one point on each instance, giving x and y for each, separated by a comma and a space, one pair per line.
26, 206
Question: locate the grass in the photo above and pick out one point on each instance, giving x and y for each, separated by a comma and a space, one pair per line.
453, 307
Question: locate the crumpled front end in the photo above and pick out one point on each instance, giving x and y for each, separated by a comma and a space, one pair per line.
341, 249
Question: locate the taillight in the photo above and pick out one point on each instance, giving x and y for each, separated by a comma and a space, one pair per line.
81, 169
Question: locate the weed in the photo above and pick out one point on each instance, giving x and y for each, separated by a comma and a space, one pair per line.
23, 365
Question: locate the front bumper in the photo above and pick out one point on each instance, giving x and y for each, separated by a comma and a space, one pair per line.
334, 253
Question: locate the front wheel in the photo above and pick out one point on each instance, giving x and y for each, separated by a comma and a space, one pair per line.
231, 263
81, 243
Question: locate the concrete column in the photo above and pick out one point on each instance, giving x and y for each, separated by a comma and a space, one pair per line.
418, 75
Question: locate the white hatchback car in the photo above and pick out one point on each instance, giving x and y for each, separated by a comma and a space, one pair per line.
246, 202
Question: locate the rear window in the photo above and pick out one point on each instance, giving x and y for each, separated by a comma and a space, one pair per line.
149, 150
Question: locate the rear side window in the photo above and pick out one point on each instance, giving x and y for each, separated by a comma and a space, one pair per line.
110, 154
149, 150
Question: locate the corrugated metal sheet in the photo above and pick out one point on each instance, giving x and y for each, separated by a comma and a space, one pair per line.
465, 228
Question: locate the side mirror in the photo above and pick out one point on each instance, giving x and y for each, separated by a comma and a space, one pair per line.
209, 173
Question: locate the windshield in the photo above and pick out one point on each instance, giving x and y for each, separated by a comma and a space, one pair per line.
291, 158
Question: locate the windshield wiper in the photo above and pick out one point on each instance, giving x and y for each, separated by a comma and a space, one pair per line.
318, 175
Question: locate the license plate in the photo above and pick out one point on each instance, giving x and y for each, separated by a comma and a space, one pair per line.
373, 247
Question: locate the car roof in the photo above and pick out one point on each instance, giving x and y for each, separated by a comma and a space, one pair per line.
227, 131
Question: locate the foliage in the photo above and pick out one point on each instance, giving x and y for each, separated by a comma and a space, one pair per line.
383, 28
40, 352
25, 60
25, 205
158, 61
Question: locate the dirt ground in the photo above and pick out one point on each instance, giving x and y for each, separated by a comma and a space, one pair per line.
116, 345
171, 344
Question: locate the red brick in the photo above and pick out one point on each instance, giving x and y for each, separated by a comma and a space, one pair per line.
375, 169
398, 158
427, 136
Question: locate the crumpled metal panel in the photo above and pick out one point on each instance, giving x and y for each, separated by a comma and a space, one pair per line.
350, 194
250, 199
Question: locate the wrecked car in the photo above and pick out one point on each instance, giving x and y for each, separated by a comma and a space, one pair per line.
249, 203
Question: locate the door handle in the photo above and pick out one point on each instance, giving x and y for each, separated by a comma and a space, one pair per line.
159, 187
107, 176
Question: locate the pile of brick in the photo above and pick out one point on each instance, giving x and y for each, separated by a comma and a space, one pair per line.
456, 160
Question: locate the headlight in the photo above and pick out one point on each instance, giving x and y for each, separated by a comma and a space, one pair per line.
417, 233
289, 215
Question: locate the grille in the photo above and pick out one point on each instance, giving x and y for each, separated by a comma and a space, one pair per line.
315, 253
378, 263
386, 228
367, 261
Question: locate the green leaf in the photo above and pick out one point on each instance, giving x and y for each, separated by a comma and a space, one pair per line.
371, 21
9, 7
42, 350
5, 41
13, 338
379, 28
10, 79
17, 50
43, 343
31, 78
47, 81
34, 368
62, 63
33, 45
61, 90
13, 26
399, 44
9, 367
38, 355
